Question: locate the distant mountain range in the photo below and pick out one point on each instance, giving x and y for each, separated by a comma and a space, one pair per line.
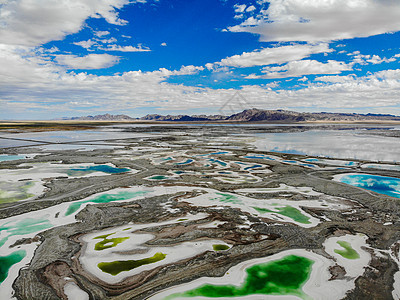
250, 115
106, 117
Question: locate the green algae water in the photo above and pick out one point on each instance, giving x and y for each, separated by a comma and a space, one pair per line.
116, 267
348, 251
285, 276
6, 262
25, 226
287, 211
105, 198
220, 247
15, 191
106, 242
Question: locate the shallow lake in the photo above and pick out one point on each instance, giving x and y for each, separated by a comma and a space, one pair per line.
379, 184
349, 144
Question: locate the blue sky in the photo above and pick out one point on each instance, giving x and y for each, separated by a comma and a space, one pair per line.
64, 59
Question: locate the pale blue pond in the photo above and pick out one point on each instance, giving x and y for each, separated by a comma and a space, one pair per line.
6, 157
379, 184
343, 144
382, 167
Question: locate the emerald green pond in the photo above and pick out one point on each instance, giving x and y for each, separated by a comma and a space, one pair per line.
116, 267
6, 262
105, 198
106, 243
287, 211
284, 276
348, 251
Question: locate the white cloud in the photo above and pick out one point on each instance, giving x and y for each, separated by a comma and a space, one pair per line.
388, 75
372, 59
164, 44
252, 76
324, 20
40, 82
277, 55
239, 8
108, 41
305, 67
304, 79
32, 23
90, 61
85, 44
336, 79
139, 48
101, 33
251, 21
188, 70
250, 8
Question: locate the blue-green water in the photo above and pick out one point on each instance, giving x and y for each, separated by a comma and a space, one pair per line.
158, 177
105, 198
25, 226
253, 167
186, 162
379, 184
98, 168
220, 162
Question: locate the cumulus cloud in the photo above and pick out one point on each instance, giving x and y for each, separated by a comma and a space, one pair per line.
336, 79
90, 61
39, 82
323, 20
250, 8
370, 59
30, 80
305, 67
239, 8
101, 33
304, 79
32, 23
85, 44
114, 47
277, 55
